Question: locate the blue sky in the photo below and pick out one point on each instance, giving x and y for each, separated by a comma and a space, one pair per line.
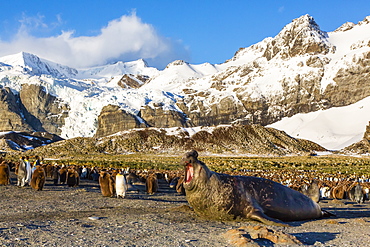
87, 33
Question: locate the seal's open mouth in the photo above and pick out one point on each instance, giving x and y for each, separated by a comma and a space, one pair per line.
189, 171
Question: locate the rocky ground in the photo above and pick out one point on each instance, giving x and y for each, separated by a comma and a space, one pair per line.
80, 216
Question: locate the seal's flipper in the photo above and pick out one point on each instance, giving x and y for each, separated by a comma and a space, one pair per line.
326, 214
261, 217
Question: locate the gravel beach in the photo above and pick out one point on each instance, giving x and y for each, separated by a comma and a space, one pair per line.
81, 216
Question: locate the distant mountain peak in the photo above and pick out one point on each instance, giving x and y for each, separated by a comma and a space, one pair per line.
143, 62
349, 25
35, 65
118, 68
19, 59
140, 63
300, 37
345, 27
176, 63
365, 21
304, 27
305, 21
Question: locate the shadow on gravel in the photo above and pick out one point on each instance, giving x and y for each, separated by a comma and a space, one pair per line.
310, 238
340, 213
34, 226
161, 200
307, 238
350, 213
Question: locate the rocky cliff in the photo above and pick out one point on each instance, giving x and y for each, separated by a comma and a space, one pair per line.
32, 109
10, 112
43, 111
113, 119
352, 83
132, 81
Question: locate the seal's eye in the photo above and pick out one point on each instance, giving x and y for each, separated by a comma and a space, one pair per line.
189, 173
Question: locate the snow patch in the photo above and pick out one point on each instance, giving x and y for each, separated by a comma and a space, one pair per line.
333, 129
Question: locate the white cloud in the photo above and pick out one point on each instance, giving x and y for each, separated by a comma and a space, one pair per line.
126, 39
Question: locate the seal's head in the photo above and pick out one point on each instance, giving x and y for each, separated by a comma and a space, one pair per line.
196, 172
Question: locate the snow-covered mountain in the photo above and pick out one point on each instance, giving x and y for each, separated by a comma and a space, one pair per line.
33, 65
117, 69
300, 72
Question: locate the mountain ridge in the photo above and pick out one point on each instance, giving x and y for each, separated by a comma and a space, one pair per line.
228, 140
302, 69
37, 66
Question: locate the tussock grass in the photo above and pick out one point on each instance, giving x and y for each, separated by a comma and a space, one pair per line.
332, 164
231, 140
320, 164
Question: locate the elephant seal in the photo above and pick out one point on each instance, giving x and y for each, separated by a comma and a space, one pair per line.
224, 197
